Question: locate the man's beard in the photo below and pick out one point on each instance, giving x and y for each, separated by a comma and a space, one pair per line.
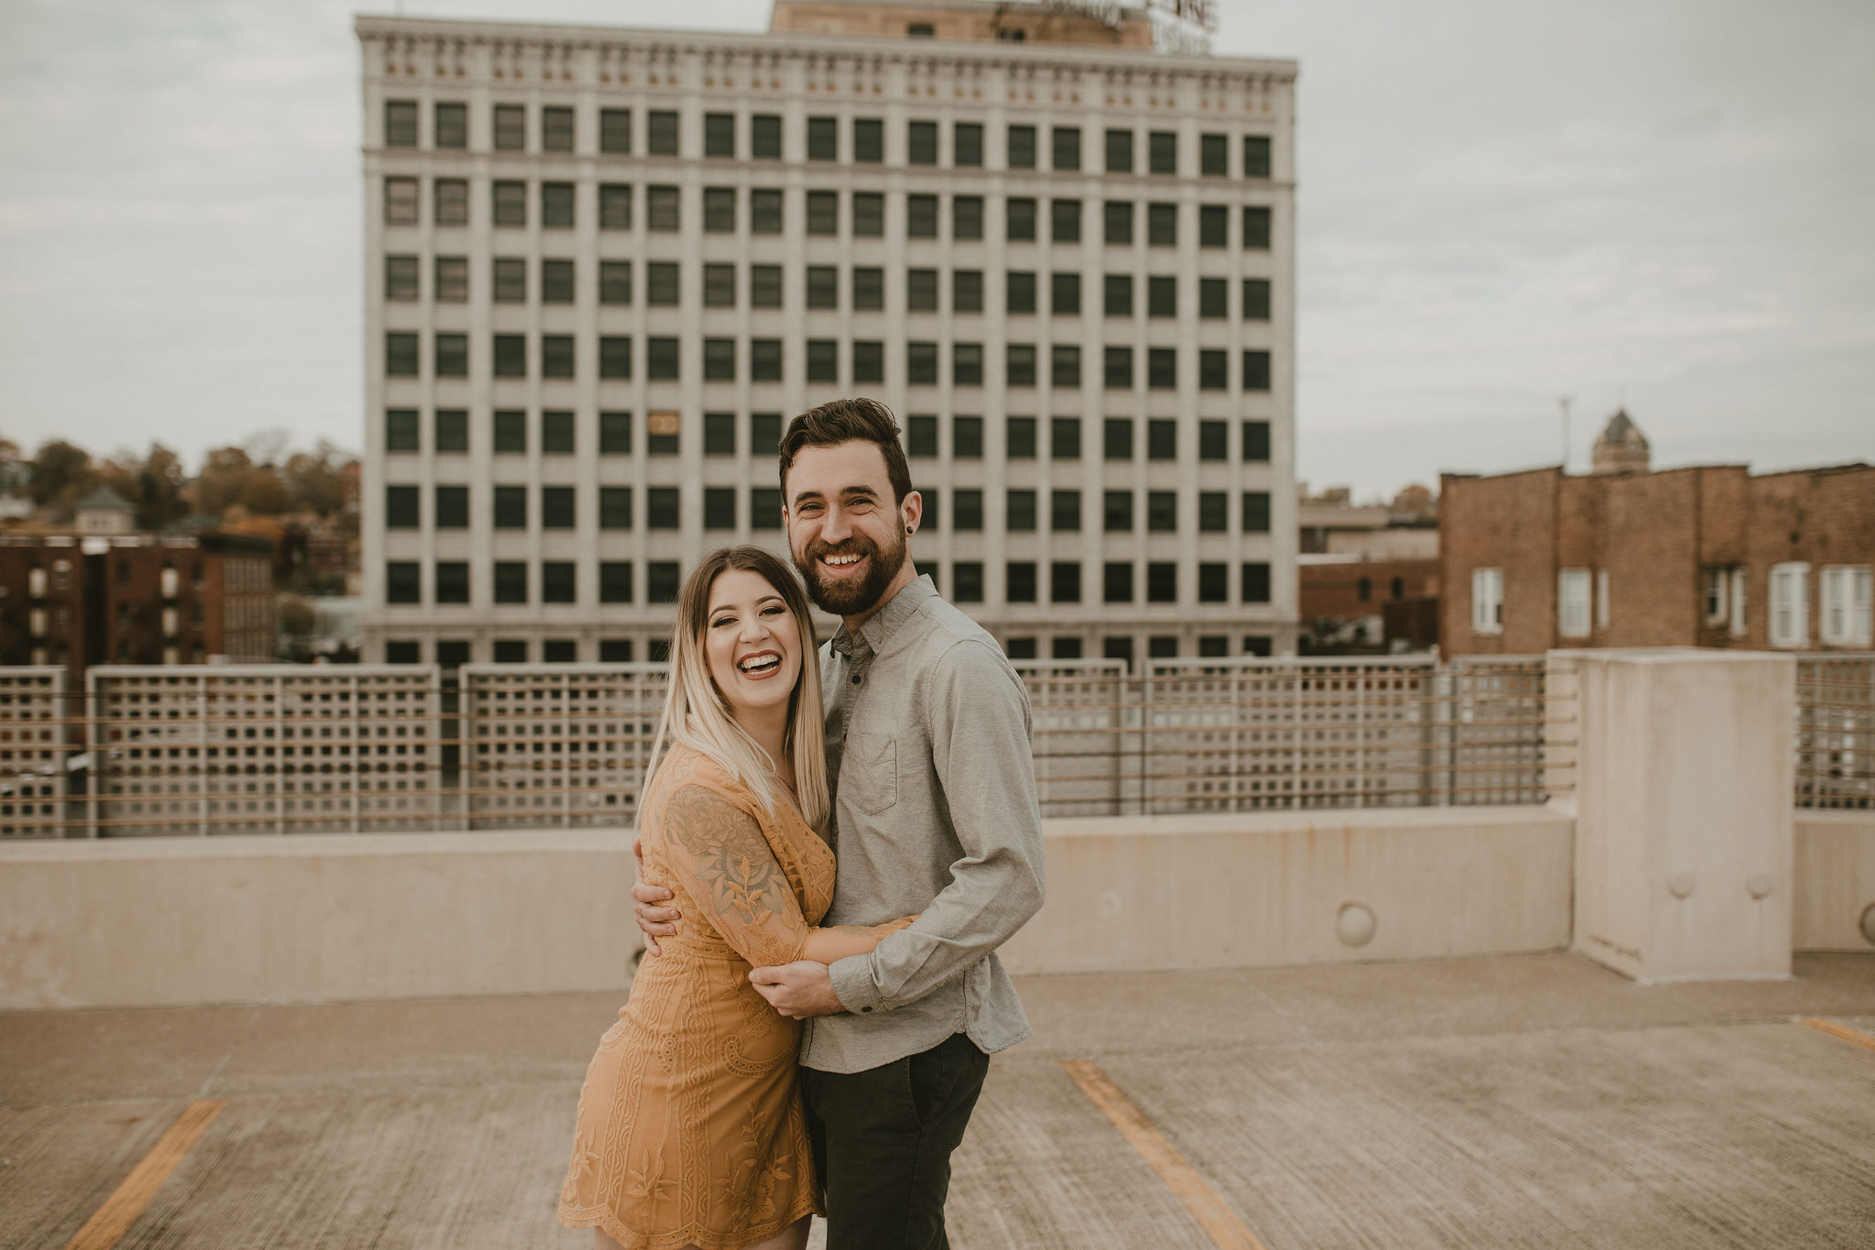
850, 598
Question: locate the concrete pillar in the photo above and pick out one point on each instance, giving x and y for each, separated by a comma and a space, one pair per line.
1684, 812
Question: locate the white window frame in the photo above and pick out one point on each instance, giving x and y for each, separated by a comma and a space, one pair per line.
1844, 614
1741, 577
1714, 580
1487, 601
1788, 601
1603, 607
1573, 601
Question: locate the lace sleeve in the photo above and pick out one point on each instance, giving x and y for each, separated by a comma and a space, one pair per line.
726, 864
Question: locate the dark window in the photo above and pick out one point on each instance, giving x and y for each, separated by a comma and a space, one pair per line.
1162, 511
615, 507
719, 134
1064, 438
920, 30
921, 290
1116, 441
452, 201
661, 133
510, 507
1161, 439
452, 429
1119, 377
1256, 156
1364, 589
452, 279
400, 278
1064, 221
615, 131
921, 143
967, 144
452, 581
719, 286
719, 210
1162, 368
719, 507
615, 282
615, 206
559, 582
1067, 147
765, 360
930, 497
615, 356
1019, 291
1256, 229
967, 582
921, 364
1256, 583
966, 217
401, 430
1019, 219
868, 289
1256, 441
1214, 155
1256, 299
510, 581
1162, 225
764, 433
966, 364
823, 139
556, 205
556, 129
452, 355
1213, 298
1064, 366
1119, 152
662, 209
401, 358
967, 438
765, 215
1162, 647
556, 433
1064, 511
613, 650
615, 433
1164, 152
510, 280
1118, 290
1022, 147
868, 140
1116, 582
1064, 294
823, 212
1213, 440
663, 434
868, 361
661, 586
1396, 589
663, 508
868, 215
765, 137
1162, 583
452, 653
1019, 511
1213, 370
967, 509
921, 216
661, 284
1213, 226
1064, 583
1019, 364
1118, 649
966, 290
764, 508
510, 431
510, 355
556, 282
511, 650
403, 581
1019, 581
1019, 648
510, 127
1118, 219
1019, 434
719, 360
403, 508
400, 202
1162, 296
1256, 371
558, 508
765, 286
823, 286
1117, 511
560, 650
452, 125
615, 586
661, 360
1213, 512
1256, 512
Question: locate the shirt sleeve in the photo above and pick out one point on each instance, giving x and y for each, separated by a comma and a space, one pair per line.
980, 748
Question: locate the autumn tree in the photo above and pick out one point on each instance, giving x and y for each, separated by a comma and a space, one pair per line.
61, 473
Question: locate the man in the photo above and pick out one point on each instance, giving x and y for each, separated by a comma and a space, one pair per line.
935, 813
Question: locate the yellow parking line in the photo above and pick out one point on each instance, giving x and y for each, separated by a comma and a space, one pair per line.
1842, 1031
112, 1220
1225, 1229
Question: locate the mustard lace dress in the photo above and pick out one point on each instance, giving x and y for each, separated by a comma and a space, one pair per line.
690, 1128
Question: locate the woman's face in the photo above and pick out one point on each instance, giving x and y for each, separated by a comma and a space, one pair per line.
752, 642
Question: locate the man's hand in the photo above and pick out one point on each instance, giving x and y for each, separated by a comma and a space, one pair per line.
800, 990
655, 920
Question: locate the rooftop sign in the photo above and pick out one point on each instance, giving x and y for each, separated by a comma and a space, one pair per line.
1182, 26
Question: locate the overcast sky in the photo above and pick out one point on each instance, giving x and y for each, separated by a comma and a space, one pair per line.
1669, 204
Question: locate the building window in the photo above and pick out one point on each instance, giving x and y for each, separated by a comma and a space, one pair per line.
1019, 433
556, 433
452, 125
1019, 219
615, 586
559, 582
719, 134
719, 507
1117, 219
1019, 648
615, 206
452, 279
1213, 512
663, 434
1064, 582
868, 215
966, 364
510, 127
1064, 221
1067, 147
403, 581
1739, 576
615, 131
1256, 229
1021, 153
1019, 364
510, 355
452, 581
1019, 581
765, 508
1117, 511
663, 207
1213, 226
765, 360
510, 202
1117, 291
1572, 603
719, 210
661, 133
400, 278
556, 355
868, 361
1116, 441
1213, 440
662, 581
1162, 439
1714, 580
966, 290
719, 286
510, 280
1256, 299
510, 507
403, 510
450, 201
1845, 605
400, 123
966, 582
663, 508
1790, 605
400, 202
1256, 442
1064, 366
1162, 511
1064, 294
1162, 225
396, 651
823, 360
921, 143
615, 433
615, 356
719, 360
615, 507
1214, 156
1163, 152
559, 650
967, 509
868, 140
511, 650
1162, 368
1019, 291
765, 215
823, 213
1064, 438
1213, 371
966, 217
662, 285
1162, 582
1256, 512
615, 282
921, 290
510, 431
921, 363
1116, 582
1019, 513
401, 359
719, 433
921, 216
1064, 511
1487, 601
556, 129
765, 137
1256, 156
967, 144
1119, 151
868, 289
1213, 298
1162, 296
1213, 587
823, 139
765, 286
452, 430
1256, 371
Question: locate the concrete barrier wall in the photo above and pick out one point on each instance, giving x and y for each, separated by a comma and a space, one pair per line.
1834, 880
314, 918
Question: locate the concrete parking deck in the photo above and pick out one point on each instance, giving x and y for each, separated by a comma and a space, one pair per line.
1527, 1102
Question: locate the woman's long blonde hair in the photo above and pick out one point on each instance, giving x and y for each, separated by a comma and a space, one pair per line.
697, 715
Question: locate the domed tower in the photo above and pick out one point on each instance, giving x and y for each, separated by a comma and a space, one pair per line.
1621, 448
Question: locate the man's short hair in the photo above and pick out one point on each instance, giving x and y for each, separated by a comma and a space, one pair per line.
848, 421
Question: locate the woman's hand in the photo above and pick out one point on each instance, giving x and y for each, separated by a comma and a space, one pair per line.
656, 921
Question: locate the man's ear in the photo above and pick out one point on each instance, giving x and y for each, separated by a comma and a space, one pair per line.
912, 510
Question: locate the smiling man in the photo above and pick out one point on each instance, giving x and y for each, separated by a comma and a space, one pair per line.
935, 814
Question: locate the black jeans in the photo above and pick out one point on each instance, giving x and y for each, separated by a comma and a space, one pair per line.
883, 1140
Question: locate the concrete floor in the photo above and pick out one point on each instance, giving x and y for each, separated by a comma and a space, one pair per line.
1526, 1102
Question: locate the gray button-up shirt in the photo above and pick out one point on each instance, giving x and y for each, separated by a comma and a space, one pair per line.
935, 813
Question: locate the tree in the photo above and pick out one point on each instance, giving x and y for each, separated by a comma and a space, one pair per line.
61, 473
224, 475
264, 494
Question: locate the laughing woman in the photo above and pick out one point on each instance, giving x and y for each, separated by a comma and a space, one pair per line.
690, 1129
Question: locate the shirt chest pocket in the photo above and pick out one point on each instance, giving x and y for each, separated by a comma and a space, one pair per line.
869, 772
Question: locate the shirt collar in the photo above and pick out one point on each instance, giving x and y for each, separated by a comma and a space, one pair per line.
881, 625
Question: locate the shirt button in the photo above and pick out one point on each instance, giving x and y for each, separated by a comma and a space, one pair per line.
863, 1009
857, 679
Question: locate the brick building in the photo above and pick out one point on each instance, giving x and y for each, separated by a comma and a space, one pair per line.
124, 598
1350, 603
1710, 556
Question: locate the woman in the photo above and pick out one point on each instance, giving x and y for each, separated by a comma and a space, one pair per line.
691, 1133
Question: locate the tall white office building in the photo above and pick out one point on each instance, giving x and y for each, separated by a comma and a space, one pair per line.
606, 265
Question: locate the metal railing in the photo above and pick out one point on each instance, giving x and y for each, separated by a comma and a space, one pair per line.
295, 749
1835, 740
